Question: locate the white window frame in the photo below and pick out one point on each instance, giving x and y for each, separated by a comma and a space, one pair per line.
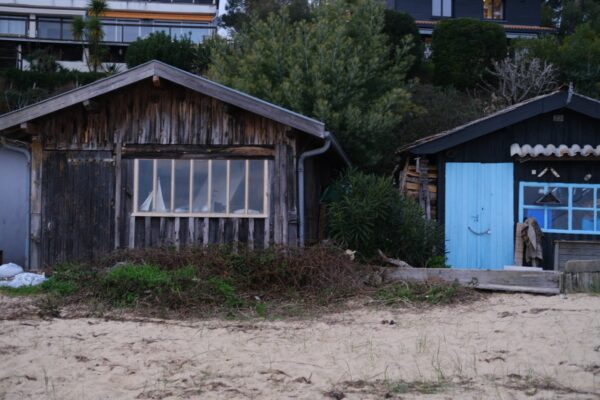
190, 213
441, 8
569, 207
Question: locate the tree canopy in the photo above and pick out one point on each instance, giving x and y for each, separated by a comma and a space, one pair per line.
335, 67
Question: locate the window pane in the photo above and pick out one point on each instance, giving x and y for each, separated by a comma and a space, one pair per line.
532, 194
436, 10
130, 33
583, 197
144, 185
561, 193
237, 187
219, 186
583, 220
163, 186
447, 11
200, 186
49, 28
13, 26
558, 219
67, 32
182, 186
538, 214
256, 186
110, 31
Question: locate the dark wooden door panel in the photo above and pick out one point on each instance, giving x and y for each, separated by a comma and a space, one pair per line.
78, 209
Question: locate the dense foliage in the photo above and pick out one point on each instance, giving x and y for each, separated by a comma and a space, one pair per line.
577, 57
438, 109
463, 50
369, 214
239, 13
22, 88
179, 52
335, 68
398, 26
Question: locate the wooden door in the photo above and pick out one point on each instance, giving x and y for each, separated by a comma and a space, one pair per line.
78, 205
479, 215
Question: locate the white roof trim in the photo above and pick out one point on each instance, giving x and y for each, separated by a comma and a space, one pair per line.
562, 150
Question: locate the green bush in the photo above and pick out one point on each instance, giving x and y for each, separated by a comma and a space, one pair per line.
397, 27
368, 214
428, 292
463, 49
179, 52
126, 284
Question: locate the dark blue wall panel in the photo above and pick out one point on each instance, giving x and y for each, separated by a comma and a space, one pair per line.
517, 12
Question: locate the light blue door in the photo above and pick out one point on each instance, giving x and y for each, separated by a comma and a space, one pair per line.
479, 215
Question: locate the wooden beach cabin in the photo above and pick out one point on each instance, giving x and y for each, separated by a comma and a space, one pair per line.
482, 178
159, 156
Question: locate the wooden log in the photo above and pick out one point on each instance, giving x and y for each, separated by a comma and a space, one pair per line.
546, 282
156, 81
423, 187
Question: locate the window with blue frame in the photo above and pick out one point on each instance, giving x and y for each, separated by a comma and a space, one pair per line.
561, 207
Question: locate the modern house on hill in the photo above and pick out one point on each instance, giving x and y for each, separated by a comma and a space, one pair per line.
27, 25
520, 18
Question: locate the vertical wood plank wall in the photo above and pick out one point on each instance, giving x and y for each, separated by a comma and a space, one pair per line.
146, 115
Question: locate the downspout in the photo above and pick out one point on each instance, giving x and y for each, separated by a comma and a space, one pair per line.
27, 155
303, 157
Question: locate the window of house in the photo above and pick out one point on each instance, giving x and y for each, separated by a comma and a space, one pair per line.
223, 188
441, 8
55, 28
561, 207
493, 9
13, 25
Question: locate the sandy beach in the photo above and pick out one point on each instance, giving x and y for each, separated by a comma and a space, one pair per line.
504, 346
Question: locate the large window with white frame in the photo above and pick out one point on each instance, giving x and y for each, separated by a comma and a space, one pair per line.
561, 207
220, 188
441, 8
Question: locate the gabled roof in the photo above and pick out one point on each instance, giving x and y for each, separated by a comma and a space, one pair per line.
504, 118
172, 74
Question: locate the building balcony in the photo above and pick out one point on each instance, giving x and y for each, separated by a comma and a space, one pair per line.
116, 32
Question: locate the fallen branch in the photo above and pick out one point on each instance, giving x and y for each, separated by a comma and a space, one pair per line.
394, 261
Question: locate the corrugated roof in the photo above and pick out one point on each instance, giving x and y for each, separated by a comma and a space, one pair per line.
548, 150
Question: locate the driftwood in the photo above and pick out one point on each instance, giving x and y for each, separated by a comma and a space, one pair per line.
394, 261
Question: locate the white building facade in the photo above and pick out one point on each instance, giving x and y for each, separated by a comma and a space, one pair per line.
29, 25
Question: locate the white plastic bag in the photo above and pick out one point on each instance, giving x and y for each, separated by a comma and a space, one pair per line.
9, 270
24, 279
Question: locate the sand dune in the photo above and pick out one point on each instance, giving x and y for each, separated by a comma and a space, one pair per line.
501, 347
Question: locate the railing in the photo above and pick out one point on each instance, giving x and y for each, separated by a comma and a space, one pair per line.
115, 31
215, 2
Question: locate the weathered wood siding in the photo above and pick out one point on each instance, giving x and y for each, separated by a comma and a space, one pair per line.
88, 209
77, 199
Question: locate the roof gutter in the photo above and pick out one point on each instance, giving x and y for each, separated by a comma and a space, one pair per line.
303, 157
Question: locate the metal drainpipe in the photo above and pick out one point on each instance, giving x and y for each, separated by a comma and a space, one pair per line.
304, 156
27, 155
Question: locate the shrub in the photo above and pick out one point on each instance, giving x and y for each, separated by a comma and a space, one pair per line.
368, 214
427, 292
397, 26
463, 49
179, 52
438, 109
